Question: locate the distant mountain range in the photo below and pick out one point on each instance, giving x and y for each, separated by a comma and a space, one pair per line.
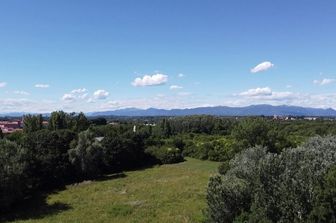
253, 110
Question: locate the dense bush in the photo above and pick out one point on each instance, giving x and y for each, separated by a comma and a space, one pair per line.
274, 188
87, 156
48, 157
166, 155
215, 148
324, 207
13, 178
124, 150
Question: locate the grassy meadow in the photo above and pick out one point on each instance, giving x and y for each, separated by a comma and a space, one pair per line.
167, 193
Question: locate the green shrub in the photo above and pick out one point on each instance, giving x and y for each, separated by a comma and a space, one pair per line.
13, 180
224, 167
269, 187
166, 155
324, 209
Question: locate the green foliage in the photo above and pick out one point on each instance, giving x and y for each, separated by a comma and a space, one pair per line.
259, 131
49, 162
98, 121
81, 123
282, 188
13, 167
214, 148
324, 207
227, 197
166, 155
203, 124
224, 167
61, 120
16, 136
32, 123
87, 156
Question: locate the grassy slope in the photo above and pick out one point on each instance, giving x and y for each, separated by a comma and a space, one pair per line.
169, 193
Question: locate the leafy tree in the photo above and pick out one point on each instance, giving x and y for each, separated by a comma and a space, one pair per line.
59, 120
324, 207
49, 161
251, 132
81, 123
281, 187
32, 123
87, 156
165, 155
227, 198
99, 121
13, 179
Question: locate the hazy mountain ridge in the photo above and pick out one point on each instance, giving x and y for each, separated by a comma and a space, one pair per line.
253, 110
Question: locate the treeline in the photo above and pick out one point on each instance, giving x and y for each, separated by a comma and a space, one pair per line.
220, 138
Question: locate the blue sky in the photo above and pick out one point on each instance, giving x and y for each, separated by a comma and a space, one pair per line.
81, 55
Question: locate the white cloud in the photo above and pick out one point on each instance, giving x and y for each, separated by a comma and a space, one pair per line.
21, 92
180, 75
3, 84
262, 67
324, 81
68, 97
100, 94
83, 96
175, 87
42, 85
79, 91
265, 95
257, 92
147, 80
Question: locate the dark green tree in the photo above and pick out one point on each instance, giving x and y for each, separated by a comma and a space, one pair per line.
32, 123
59, 120
324, 207
13, 178
81, 123
87, 156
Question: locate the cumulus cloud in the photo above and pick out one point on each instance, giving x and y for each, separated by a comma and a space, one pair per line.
101, 94
80, 93
266, 95
147, 80
257, 92
175, 87
3, 84
262, 67
42, 85
324, 81
68, 97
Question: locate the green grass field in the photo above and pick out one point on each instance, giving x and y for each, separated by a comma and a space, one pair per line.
168, 193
